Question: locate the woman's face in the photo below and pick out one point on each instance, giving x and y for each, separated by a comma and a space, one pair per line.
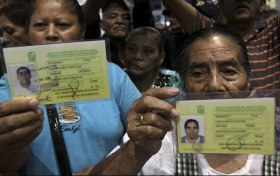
13, 34
54, 22
192, 130
142, 55
214, 66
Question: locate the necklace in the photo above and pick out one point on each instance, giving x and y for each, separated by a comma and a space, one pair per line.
162, 81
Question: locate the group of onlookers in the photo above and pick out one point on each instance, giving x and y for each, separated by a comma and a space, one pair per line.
239, 50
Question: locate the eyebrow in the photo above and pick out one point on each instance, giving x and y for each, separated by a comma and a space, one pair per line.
225, 62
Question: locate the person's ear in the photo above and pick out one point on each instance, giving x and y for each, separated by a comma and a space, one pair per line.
83, 31
101, 23
248, 84
161, 59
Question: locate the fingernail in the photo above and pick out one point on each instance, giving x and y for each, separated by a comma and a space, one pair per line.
173, 90
174, 113
40, 111
33, 103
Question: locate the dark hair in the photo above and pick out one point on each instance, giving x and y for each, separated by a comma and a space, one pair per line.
151, 32
73, 4
183, 61
20, 68
191, 120
17, 13
115, 3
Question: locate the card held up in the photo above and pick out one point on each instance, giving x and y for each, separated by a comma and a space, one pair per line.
226, 126
56, 73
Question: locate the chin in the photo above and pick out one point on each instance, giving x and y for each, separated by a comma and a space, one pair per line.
119, 36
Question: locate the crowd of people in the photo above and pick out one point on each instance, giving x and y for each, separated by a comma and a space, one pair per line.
132, 132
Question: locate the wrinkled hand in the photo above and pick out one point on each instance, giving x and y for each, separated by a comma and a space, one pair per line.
148, 131
20, 123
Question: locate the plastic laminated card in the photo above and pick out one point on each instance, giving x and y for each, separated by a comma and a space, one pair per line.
64, 75
56, 73
229, 123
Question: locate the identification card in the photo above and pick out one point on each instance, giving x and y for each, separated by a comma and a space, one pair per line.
226, 126
56, 73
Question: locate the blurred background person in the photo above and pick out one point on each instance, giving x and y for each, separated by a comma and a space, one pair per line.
3, 3
144, 55
117, 21
260, 35
13, 25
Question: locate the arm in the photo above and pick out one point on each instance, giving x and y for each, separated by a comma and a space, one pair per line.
91, 18
91, 11
142, 14
146, 135
184, 12
20, 123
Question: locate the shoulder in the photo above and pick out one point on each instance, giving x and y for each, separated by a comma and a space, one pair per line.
113, 67
183, 139
273, 20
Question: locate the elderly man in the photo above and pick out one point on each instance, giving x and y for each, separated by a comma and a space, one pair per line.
116, 22
243, 16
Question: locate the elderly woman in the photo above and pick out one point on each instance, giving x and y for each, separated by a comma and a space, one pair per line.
13, 23
214, 60
144, 54
25, 137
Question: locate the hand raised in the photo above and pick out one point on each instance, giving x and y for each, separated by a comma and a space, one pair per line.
20, 123
149, 119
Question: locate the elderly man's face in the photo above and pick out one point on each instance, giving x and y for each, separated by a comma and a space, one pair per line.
116, 22
214, 66
241, 10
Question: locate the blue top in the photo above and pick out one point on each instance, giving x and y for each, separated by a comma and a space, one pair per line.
98, 129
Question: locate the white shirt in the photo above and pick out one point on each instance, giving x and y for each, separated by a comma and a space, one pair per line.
253, 166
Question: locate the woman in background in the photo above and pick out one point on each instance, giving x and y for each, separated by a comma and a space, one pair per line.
144, 54
13, 23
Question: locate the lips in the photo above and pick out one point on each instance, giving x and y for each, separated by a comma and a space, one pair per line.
135, 66
119, 27
242, 5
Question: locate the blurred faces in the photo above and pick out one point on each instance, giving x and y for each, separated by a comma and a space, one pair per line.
241, 10
13, 34
192, 130
116, 22
142, 55
53, 22
24, 77
3, 3
214, 66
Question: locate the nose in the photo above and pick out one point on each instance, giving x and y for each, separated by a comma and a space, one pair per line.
119, 19
138, 56
52, 34
215, 83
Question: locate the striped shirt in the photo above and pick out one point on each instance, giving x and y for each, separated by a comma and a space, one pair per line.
263, 46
